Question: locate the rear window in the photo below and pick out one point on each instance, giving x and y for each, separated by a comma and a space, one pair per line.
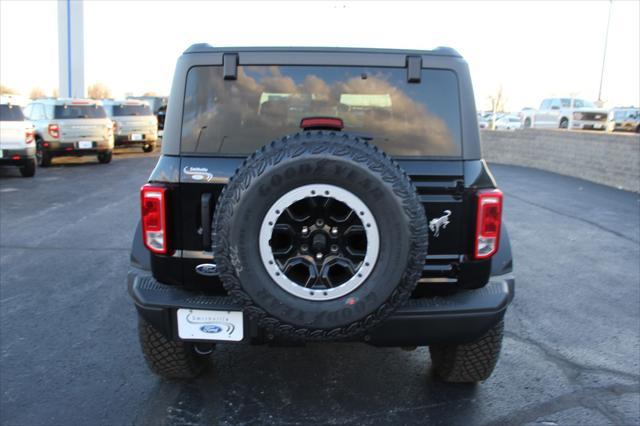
124, 110
79, 111
11, 113
268, 102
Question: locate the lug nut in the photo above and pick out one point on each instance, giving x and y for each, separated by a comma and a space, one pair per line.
334, 231
319, 223
305, 230
334, 248
304, 247
318, 256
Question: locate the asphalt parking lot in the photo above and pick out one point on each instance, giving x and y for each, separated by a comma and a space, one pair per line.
69, 350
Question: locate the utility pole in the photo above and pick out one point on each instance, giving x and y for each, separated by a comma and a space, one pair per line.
604, 57
71, 48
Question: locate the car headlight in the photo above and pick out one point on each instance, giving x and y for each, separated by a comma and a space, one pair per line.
577, 116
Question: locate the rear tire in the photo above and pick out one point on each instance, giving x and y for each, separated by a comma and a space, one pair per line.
105, 157
43, 157
470, 362
148, 147
167, 358
564, 123
527, 123
29, 169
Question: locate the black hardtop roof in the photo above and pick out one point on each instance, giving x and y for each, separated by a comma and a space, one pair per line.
207, 48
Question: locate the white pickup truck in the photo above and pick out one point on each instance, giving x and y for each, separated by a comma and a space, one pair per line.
566, 113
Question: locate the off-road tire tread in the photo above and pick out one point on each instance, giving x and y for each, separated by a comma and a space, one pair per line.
105, 157
29, 169
338, 144
471, 362
167, 358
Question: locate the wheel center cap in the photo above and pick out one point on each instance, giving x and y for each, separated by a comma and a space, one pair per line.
319, 242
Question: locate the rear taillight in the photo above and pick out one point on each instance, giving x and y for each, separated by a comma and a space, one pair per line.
154, 218
29, 136
488, 221
54, 131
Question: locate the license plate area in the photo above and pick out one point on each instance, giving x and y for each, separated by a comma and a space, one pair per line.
136, 137
198, 324
85, 144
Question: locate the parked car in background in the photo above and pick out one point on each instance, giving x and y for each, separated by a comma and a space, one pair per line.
525, 111
133, 123
162, 112
508, 122
70, 127
624, 120
486, 120
155, 102
566, 113
17, 146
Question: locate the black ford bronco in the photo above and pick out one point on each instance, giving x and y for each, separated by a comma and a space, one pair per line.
321, 194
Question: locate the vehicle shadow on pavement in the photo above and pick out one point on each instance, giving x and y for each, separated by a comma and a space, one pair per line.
319, 383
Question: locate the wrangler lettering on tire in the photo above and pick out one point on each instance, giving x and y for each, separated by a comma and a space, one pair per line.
330, 233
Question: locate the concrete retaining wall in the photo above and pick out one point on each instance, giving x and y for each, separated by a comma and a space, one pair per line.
609, 159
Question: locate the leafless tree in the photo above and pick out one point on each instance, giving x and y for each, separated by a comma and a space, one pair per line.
4, 90
98, 91
497, 103
36, 93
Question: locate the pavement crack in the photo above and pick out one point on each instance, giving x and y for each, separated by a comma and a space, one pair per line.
571, 216
564, 363
590, 398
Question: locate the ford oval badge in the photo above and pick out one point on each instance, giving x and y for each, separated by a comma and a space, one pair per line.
211, 328
207, 269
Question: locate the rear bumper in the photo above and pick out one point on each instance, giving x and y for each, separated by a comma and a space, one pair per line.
17, 157
60, 149
459, 318
125, 140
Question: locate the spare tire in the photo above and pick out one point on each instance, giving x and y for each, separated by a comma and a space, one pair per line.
319, 236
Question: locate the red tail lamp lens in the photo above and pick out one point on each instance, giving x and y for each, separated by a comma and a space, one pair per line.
154, 218
488, 222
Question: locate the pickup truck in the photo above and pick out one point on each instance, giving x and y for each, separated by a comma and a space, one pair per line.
566, 113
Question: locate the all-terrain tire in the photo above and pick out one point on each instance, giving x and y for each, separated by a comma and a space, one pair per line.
471, 362
167, 358
105, 157
29, 169
278, 167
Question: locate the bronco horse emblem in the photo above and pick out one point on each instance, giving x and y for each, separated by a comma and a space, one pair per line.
436, 224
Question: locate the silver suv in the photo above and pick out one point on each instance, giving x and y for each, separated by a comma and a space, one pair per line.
133, 123
70, 127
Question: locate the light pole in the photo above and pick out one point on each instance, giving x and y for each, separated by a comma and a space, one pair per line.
604, 56
71, 48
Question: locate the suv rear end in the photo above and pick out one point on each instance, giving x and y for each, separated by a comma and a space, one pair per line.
352, 104
133, 123
17, 147
70, 127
